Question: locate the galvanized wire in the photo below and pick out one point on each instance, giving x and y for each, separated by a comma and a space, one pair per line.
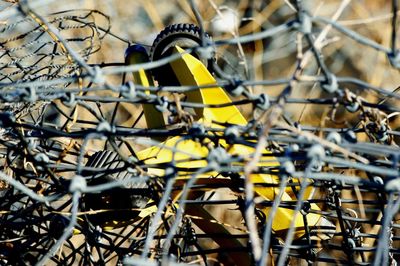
61, 104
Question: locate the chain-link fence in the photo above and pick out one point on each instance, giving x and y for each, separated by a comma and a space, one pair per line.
89, 178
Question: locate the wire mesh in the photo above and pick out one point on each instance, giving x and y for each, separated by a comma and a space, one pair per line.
322, 113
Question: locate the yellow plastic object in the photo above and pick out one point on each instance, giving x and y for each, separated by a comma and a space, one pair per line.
191, 72
136, 55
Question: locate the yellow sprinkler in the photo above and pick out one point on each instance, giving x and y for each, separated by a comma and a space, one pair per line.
188, 70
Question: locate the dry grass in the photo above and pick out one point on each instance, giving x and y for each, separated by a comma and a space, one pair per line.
273, 58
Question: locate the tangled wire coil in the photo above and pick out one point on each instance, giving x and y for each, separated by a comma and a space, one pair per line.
99, 167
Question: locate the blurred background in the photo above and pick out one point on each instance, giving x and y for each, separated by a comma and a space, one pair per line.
140, 21
101, 30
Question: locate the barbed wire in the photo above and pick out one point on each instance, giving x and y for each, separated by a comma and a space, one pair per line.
76, 190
